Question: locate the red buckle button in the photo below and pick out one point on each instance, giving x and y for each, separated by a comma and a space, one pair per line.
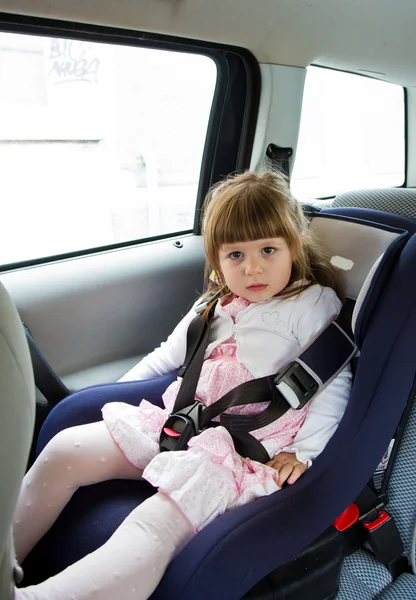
382, 518
171, 432
347, 518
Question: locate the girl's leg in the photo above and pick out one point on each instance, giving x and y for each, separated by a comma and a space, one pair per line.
75, 457
132, 562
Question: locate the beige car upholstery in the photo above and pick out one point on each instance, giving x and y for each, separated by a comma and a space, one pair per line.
17, 403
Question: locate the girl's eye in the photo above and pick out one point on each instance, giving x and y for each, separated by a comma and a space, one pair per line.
235, 255
268, 250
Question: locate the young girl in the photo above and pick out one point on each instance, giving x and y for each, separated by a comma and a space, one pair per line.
277, 290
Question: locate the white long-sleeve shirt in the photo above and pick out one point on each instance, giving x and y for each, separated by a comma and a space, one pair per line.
268, 334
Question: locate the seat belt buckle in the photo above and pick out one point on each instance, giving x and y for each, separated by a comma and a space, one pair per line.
382, 535
296, 385
347, 518
180, 427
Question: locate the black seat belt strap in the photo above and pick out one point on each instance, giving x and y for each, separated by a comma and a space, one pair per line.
247, 446
295, 385
197, 340
251, 392
279, 157
298, 381
196, 329
46, 379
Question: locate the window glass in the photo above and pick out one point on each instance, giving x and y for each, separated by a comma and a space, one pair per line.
352, 135
99, 144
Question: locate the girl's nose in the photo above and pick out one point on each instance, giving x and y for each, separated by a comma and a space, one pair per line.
253, 268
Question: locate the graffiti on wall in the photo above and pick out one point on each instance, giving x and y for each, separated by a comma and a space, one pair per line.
72, 61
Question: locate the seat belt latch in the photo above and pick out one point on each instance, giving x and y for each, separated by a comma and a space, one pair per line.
382, 535
180, 427
296, 385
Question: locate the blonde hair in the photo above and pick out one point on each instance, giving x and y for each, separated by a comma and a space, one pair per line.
252, 206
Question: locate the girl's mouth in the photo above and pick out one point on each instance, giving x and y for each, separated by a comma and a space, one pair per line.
257, 287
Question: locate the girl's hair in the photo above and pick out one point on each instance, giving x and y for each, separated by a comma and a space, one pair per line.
252, 206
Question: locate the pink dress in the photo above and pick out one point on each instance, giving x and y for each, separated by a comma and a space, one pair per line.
210, 477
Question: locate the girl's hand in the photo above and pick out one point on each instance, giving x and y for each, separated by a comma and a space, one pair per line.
289, 467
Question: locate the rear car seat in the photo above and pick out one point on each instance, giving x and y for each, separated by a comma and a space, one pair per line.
400, 201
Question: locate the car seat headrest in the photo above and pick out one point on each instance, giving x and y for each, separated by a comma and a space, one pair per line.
353, 247
360, 250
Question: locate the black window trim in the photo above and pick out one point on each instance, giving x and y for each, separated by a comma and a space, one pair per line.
229, 141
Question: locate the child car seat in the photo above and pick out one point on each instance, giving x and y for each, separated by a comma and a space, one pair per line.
230, 555
17, 398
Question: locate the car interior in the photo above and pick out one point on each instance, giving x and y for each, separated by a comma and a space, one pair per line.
116, 120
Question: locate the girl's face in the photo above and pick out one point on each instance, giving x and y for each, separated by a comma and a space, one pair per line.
256, 270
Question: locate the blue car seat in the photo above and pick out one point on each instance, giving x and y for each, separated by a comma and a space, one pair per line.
239, 548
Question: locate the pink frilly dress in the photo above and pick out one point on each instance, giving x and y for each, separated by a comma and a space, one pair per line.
210, 477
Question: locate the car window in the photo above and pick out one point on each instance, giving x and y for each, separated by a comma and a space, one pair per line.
99, 143
352, 135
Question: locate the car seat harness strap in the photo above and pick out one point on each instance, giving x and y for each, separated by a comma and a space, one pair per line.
292, 387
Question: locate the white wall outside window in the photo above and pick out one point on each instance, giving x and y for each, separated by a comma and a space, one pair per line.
99, 143
352, 135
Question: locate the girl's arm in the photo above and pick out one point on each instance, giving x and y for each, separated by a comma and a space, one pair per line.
322, 420
327, 409
316, 308
167, 357
320, 424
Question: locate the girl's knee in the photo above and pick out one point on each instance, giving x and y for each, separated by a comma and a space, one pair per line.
63, 447
59, 463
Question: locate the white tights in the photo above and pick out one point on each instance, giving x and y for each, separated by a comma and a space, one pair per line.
133, 560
